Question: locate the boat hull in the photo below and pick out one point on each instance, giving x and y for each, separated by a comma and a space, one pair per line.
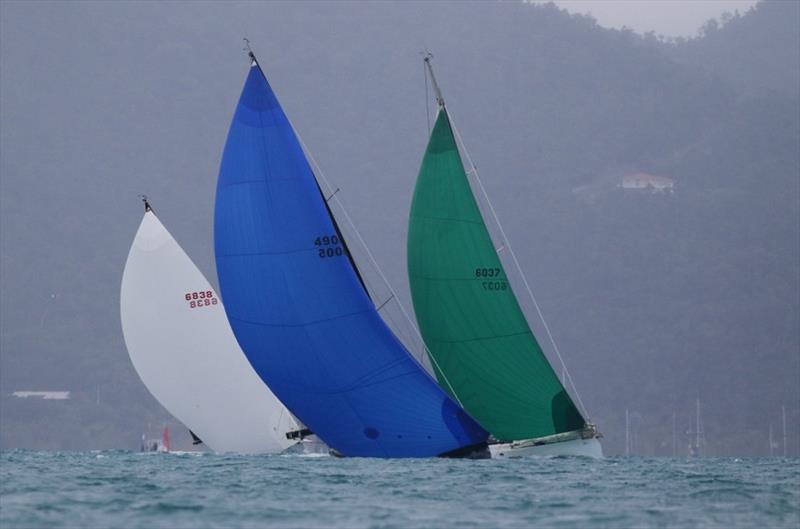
309, 446
574, 447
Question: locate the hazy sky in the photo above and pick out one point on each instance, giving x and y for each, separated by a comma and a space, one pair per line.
673, 18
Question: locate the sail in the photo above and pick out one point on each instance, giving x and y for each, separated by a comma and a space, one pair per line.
483, 349
299, 310
182, 347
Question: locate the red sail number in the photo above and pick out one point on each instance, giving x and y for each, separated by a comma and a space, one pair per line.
201, 298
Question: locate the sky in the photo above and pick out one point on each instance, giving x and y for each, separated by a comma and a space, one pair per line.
672, 18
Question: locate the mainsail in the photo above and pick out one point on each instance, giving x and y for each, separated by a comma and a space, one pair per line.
182, 347
299, 310
483, 349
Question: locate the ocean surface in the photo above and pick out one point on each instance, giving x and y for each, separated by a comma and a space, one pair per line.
195, 490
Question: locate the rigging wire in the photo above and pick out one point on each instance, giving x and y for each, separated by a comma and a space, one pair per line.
427, 103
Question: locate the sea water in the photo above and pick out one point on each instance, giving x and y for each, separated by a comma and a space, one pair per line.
196, 490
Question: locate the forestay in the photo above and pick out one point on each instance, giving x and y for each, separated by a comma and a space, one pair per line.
299, 310
182, 347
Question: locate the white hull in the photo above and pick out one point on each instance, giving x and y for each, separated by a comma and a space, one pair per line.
313, 445
575, 447
310, 446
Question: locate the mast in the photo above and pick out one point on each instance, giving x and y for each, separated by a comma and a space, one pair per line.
674, 436
250, 51
627, 433
783, 417
771, 442
147, 207
697, 428
436, 91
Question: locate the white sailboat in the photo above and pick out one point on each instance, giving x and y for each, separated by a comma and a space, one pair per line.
182, 347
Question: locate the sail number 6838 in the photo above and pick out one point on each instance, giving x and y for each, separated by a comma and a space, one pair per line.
201, 298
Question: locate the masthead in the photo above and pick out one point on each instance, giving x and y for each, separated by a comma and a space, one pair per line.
427, 59
147, 207
249, 50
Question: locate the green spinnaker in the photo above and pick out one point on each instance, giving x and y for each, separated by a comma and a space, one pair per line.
485, 353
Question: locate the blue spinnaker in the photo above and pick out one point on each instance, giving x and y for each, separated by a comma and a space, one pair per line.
298, 309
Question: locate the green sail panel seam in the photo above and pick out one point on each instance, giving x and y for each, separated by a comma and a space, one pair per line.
482, 338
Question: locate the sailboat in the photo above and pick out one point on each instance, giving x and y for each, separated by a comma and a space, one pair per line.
697, 447
482, 348
182, 347
299, 307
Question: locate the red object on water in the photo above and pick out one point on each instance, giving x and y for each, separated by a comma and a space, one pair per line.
165, 438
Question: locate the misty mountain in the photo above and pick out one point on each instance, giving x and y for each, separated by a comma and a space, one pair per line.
655, 298
754, 52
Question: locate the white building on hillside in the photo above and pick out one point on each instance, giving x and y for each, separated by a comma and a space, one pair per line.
645, 181
44, 395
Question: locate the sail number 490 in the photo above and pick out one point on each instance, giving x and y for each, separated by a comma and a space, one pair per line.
328, 246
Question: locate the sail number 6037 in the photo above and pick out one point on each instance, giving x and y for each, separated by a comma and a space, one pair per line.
487, 272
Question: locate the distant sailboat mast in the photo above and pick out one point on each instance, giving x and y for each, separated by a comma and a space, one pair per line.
783, 417
771, 442
627, 433
674, 436
698, 450
697, 427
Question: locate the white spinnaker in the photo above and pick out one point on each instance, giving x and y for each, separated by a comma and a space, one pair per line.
183, 349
